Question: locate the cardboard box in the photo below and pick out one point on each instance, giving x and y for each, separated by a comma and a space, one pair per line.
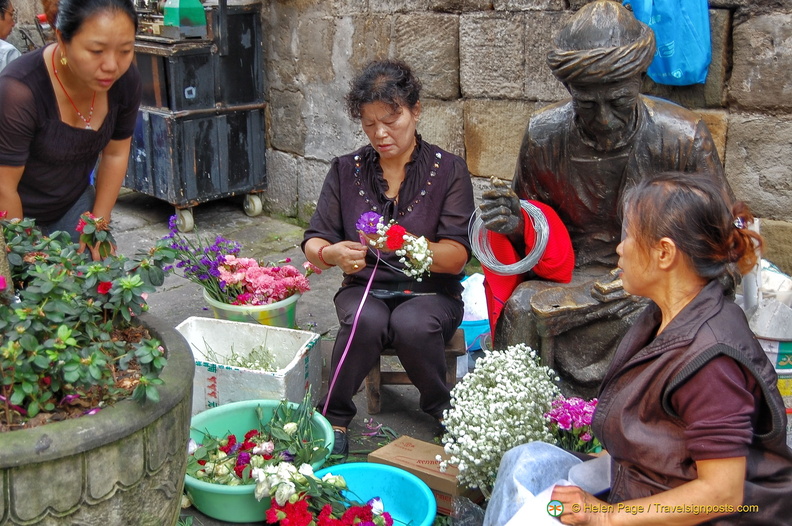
297, 358
420, 459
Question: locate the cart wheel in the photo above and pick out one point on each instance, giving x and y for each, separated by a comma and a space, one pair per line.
253, 206
184, 219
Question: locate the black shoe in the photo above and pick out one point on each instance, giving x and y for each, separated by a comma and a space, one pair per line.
341, 445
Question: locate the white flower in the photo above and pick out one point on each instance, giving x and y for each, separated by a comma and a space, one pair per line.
377, 507
290, 428
306, 470
284, 492
221, 469
192, 446
496, 407
336, 480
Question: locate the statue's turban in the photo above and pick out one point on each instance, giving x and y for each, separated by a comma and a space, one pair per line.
604, 64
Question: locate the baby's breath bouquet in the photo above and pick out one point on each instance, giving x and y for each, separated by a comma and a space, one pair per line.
499, 405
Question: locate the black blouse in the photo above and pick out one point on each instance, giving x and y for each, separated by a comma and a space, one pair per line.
435, 201
58, 158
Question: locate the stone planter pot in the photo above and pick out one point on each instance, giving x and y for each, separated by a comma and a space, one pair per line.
125, 465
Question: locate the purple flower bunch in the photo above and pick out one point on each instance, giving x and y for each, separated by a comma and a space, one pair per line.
198, 260
570, 422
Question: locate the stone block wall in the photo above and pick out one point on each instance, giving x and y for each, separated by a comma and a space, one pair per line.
482, 64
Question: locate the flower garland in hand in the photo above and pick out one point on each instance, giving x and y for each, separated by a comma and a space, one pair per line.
413, 252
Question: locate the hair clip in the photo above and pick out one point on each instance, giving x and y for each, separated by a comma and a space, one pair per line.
739, 223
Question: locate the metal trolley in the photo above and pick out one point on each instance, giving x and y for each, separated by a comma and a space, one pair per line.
201, 129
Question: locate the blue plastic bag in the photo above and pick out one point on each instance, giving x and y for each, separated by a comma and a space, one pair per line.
682, 34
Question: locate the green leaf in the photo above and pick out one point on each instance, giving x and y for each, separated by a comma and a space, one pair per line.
152, 394
41, 361
156, 276
17, 397
33, 408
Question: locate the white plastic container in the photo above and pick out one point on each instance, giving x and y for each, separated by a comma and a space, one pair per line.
297, 358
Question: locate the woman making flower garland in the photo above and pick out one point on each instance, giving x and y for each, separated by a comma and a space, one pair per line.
65, 106
689, 411
425, 191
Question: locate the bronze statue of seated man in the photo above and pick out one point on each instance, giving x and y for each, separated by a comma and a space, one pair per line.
577, 157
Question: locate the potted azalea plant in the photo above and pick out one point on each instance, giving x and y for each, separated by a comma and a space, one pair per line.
239, 288
70, 341
85, 376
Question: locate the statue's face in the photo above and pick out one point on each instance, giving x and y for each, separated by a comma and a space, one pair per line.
606, 112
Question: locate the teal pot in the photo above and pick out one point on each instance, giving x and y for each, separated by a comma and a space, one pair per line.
124, 465
279, 314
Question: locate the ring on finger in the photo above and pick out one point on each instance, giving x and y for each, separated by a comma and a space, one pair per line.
356, 266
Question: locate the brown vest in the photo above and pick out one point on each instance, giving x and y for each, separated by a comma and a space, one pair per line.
640, 430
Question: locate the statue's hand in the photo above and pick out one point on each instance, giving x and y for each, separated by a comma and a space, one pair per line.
500, 209
610, 287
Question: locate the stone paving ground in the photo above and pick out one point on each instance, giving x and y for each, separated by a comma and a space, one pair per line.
139, 220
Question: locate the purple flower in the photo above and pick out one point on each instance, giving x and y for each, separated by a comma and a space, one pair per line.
243, 459
367, 223
288, 457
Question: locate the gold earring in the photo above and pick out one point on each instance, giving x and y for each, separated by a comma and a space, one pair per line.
63, 60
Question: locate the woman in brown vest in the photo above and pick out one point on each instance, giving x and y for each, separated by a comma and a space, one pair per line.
689, 409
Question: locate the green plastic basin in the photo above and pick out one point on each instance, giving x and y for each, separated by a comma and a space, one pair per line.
237, 503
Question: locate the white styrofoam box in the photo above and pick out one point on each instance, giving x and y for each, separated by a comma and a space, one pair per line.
297, 357
779, 353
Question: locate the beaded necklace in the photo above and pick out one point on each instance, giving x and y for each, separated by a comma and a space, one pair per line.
80, 115
373, 205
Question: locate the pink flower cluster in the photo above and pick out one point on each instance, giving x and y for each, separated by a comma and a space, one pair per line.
573, 414
260, 285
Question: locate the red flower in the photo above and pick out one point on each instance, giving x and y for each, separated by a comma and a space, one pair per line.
202, 462
229, 444
250, 434
104, 287
290, 514
362, 513
395, 238
274, 513
81, 223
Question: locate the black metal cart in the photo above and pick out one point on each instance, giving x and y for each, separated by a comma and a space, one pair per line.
200, 132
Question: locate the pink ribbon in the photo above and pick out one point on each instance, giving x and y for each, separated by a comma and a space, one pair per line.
351, 335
